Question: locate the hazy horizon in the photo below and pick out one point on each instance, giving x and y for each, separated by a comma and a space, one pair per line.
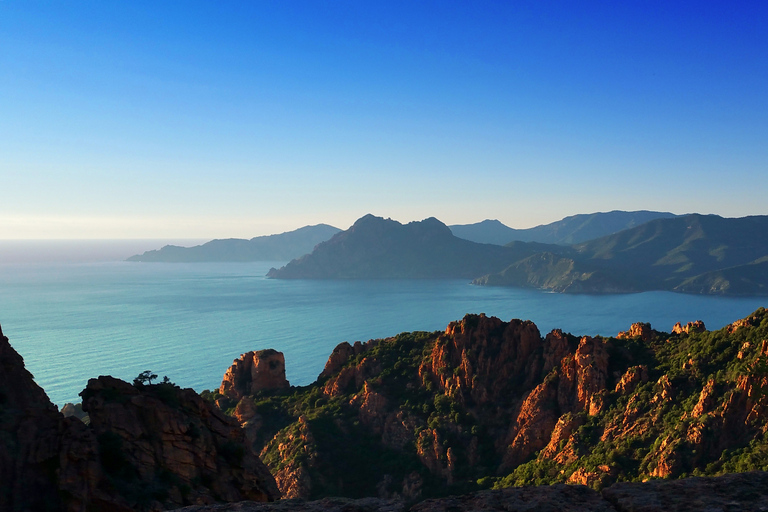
188, 241
203, 120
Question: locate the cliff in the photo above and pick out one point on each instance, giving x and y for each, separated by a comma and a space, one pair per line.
47, 462
147, 447
489, 404
162, 447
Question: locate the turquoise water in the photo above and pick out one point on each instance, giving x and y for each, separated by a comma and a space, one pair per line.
74, 321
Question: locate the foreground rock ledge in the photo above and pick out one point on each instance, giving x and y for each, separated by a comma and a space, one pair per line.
747, 492
148, 447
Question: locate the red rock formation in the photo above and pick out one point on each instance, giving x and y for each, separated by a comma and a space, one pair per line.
632, 377
641, 329
399, 429
583, 377
294, 444
556, 346
485, 395
372, 408
706, 400
341, 355
663, 390
697, 326
596, 478
480, 359
352, 377
738, 324
253, 372
563, 432
531, 430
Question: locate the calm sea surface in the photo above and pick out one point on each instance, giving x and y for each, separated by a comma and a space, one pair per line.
73, 321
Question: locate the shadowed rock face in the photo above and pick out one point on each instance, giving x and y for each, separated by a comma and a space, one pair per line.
147, 448
167, 441
253, 372
47, 462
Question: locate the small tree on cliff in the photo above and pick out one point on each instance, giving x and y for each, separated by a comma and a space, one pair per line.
144, 378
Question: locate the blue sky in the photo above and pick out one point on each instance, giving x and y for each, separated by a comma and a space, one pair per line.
206, 119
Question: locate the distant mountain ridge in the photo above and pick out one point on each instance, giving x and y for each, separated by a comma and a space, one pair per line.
703, 254
281, 247
692, 253
567, 231
378, 248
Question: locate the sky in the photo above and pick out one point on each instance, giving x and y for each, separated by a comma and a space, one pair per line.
215, 119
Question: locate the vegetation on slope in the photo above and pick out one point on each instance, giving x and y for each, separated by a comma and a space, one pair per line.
491, 404
692, 254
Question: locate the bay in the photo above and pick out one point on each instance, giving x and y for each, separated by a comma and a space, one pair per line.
72, 321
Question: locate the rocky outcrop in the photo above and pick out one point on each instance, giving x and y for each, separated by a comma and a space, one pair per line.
75, 410
291, 453
253, 372
47, 461
150, 447
639, 329
697, 326
340, 356
353, 377
493, 399
169, 444
561, 446
634, 376
481, 360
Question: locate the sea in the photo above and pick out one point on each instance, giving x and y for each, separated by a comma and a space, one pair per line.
77, 310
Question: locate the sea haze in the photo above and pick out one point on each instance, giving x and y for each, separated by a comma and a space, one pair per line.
72, 321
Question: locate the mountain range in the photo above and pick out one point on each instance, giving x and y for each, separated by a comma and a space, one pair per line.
377, 248
611, 252
691, 253
292, 244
